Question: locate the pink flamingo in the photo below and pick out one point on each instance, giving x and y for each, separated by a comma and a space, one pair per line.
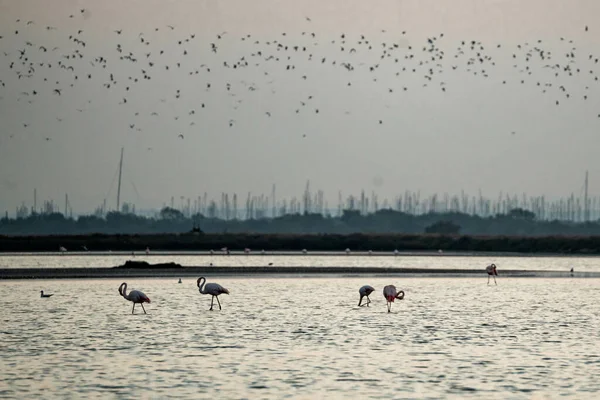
390, 293
491, 271
134, 296
365, 291
214, 289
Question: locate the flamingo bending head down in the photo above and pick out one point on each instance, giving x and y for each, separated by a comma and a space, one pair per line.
214, 289
365, 291
135, 296
491, 271
390, 293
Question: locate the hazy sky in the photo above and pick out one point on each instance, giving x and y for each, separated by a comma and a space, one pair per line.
263, 128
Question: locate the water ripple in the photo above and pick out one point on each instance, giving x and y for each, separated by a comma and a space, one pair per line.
287, 337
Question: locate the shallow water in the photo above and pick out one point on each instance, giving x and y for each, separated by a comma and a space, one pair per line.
581, 264
302, 338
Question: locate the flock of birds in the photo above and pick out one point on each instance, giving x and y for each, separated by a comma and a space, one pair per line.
215, 290
181, 78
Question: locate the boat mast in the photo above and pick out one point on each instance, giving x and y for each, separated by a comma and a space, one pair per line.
119, 187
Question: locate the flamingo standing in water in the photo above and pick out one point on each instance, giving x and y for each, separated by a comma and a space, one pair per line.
390, 293
214, 289
365, 291
135, 296
491, 271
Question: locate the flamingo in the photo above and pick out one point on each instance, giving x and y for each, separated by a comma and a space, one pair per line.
45, 295
365, 291
491, 271
135, 296
390, 293
214, 289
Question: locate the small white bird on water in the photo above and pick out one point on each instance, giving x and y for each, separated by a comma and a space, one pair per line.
390, 293
135, 296
45, 295
214, 289
365, 291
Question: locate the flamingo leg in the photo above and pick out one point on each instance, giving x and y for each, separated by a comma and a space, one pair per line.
495, 280
368, 301
389, 306
360, 301
133, 308
143, 308
488, 279
218, 302
212, 300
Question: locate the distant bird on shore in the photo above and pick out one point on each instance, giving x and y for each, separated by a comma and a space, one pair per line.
390, 293
45, 295
491, 271
214, 289
135, 296
365, 291
179, 280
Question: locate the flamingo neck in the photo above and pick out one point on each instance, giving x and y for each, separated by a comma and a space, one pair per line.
124, 291
201, 285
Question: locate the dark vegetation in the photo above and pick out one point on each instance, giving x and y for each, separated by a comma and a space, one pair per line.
384, 230
311, 242
517, 222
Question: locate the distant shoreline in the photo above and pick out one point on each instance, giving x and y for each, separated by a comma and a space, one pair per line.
95, 273
421, 244
288, 253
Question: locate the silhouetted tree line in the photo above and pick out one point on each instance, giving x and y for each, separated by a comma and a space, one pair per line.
517, 222
312, 242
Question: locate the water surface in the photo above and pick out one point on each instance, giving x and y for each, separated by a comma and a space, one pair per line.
107, 260
302, 338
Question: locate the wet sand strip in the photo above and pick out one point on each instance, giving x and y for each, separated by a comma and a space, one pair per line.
91, 273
